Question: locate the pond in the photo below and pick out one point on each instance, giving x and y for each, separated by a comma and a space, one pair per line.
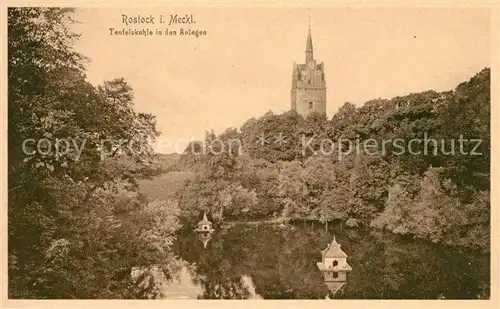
273, 262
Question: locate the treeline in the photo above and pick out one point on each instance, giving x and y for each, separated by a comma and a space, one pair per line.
76, 223
436, 189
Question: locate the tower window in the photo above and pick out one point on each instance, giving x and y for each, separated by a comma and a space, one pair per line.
335, 275
311, 105
309, 81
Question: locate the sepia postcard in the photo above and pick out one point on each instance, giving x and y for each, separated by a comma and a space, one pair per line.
195, 154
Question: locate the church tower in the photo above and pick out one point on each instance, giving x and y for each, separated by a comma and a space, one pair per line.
308, 84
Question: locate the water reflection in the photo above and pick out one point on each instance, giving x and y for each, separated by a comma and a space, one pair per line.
181, 285
186, 283
281, 263
334, 287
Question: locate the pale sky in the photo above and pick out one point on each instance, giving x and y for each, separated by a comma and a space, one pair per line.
243, 66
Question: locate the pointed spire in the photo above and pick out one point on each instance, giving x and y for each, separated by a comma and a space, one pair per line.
205, 216
334, 242
309, 44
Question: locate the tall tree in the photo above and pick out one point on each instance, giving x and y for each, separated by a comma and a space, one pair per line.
66, 219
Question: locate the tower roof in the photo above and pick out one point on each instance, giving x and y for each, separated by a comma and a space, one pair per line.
333, 250
309, 42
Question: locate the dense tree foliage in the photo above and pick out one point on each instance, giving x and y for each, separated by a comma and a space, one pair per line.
76, 224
